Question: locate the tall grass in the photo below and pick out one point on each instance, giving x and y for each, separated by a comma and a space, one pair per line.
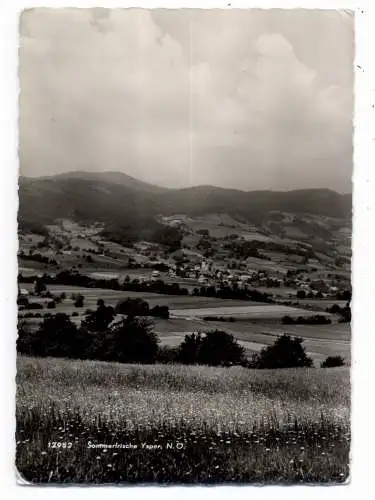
231, 424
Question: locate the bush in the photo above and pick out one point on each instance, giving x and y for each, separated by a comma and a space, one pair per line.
167, 354
51, 304
34, 305
75, 314
79, 300
133, 307
160, 312
39, 286
333, 361
287, 320
286, 352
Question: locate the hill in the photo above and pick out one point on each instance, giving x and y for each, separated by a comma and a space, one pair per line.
125, 205
109, 177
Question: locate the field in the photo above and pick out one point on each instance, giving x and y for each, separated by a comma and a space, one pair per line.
180, 424
257, 324
244, 310
113, 296
320, 341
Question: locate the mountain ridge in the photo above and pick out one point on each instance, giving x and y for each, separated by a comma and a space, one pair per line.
129, 203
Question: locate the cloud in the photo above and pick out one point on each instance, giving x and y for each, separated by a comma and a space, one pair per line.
213, 102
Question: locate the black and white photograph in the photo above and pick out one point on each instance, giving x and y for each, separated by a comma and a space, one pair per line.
184, 246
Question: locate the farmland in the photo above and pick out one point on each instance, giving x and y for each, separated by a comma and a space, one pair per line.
253, 310
257, 325
275, 426
319, 341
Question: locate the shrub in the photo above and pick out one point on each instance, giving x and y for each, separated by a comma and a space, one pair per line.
51, 304
167, 354
132, 307
39, 286
287, 320
286, 352
79, 298
333, 361
34, 305
160, 312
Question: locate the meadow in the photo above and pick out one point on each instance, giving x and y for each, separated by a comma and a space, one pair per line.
181, 424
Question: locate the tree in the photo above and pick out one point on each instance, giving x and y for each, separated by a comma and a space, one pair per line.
346, 314
56, 336
286, 352
39, 286
189, 349
160, 312
131, 340
220, 348
133, 307
333, 361
99, 320
301, 294
79, 300
287, 320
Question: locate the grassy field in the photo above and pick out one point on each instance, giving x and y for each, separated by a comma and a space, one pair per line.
180, 424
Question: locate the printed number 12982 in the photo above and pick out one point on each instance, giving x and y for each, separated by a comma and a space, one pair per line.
59, 444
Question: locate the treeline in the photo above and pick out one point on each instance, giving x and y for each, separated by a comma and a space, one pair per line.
37, 257
158, 286
131, 339
318, 319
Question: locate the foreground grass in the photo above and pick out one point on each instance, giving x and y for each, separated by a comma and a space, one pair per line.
212, 424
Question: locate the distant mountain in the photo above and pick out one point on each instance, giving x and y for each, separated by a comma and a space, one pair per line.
109, 177
254, 205
118, 200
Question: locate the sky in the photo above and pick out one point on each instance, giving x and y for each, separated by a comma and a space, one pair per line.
248, 99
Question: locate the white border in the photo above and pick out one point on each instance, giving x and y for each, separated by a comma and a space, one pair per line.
363, 266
